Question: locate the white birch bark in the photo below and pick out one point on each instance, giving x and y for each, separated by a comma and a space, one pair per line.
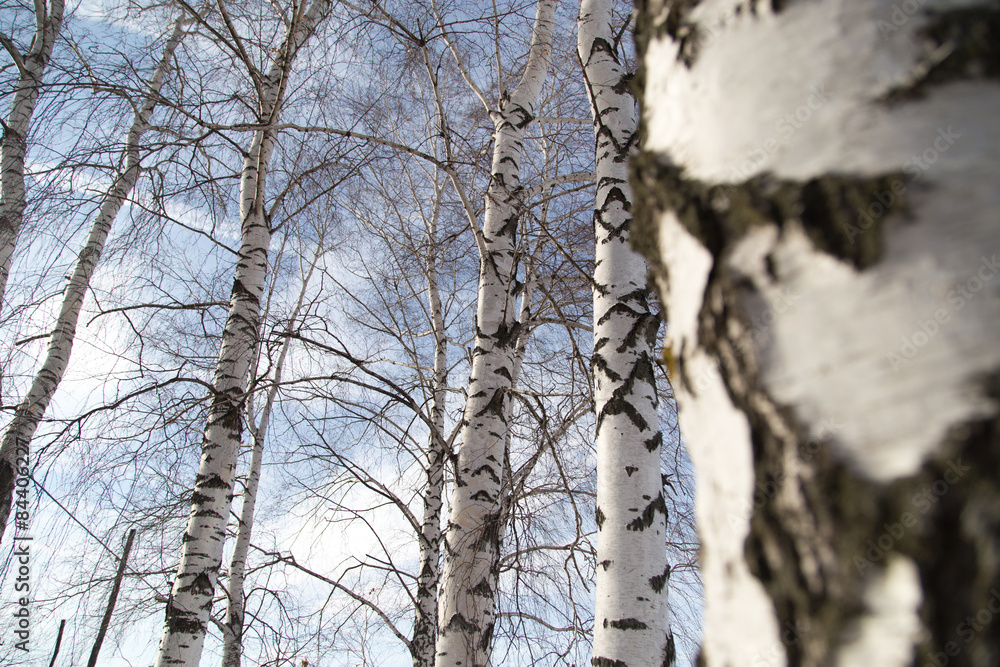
29, 412
817, 191
472, 549
233, 628
631, 621
194, 586
13, 146
424, 639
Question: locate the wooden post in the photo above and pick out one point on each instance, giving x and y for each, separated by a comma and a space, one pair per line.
55, 651
111, 601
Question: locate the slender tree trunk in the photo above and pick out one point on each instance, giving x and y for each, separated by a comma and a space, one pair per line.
429, 573
631, 620
195, 583
472, 549
112, 600
232, 640
194, 586
55, 651
827, 254
13, 146
511, 486
32, 408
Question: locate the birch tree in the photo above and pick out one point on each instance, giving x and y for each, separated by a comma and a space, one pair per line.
194, 585
233, 627
20, 431
441, 123
817, 194
423, 639
30, 66
399, 303
425, 181
425, 623
631, 620
472, 548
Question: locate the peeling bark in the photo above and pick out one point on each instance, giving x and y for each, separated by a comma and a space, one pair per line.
631, 620
829, 268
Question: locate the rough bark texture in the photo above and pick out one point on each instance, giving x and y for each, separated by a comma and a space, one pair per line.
29, 412
828, 258
13, 146
631, 621
232, 635
472, 541
233, 628
425, 621
194, 586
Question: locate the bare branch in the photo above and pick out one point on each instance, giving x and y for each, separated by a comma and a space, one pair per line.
576, 177
563, 120
290, 560
459, 62
159, 306
15, 55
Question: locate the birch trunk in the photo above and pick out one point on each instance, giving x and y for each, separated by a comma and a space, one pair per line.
817, 191
232, 639
631, 620
194, 586
472, 540
425, 621
29, 412
31, 67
